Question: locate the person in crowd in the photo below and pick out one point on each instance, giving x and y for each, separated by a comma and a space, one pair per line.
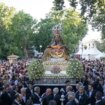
29, 91
78, 84
12, 91
13, 78
1, 91
81, 96
53, 102
71, 99
23, 95
17, 100
47, 96
36, 96
99, 100
91, 95
56, 95
5, 96
69, 89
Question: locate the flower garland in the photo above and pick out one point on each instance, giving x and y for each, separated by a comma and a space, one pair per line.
35, 69
75, 69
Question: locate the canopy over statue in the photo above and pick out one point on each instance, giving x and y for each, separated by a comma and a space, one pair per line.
56, 49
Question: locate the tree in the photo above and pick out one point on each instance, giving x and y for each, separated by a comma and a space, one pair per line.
99, 22
43, 35
58, 5
73, 28
92, 10
101, 45
22, 30
6, 15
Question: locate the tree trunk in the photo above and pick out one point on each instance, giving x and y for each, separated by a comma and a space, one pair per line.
25, 52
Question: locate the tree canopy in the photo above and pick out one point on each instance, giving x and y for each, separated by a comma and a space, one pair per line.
92, 10
73, 28
22, 29
6, 15
19, 31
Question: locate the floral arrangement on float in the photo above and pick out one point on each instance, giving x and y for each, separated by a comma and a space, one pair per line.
36, 69
75, 69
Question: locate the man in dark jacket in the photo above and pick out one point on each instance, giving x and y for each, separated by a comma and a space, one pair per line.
56, 95
91, 95
6, 97
82, 96
47, 97
99, 100
35, 96
71, 99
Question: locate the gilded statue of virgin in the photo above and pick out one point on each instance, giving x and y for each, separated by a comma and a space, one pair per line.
56, 49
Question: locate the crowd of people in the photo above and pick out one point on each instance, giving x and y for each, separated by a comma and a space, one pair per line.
17, 89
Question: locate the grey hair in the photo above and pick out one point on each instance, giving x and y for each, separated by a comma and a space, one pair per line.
36, 89
55, 90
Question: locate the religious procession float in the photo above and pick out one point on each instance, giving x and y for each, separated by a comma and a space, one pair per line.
56, 66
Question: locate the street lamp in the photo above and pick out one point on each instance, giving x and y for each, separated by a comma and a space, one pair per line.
40, 47
82, 48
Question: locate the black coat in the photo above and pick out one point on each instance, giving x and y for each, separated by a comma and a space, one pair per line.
16, 103
22, 102
46, 99
100, 103
57, 98
35, 99
28, 93
6, 99
71, 102
83, 99
91, 99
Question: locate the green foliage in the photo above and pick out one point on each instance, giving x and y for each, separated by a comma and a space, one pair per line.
101, 45
74, 28
58, 5
35, 69
99, 22
92, 10
75, 69
43, 35
6, 15
22, 31
95, 10
73, 3
19, 31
